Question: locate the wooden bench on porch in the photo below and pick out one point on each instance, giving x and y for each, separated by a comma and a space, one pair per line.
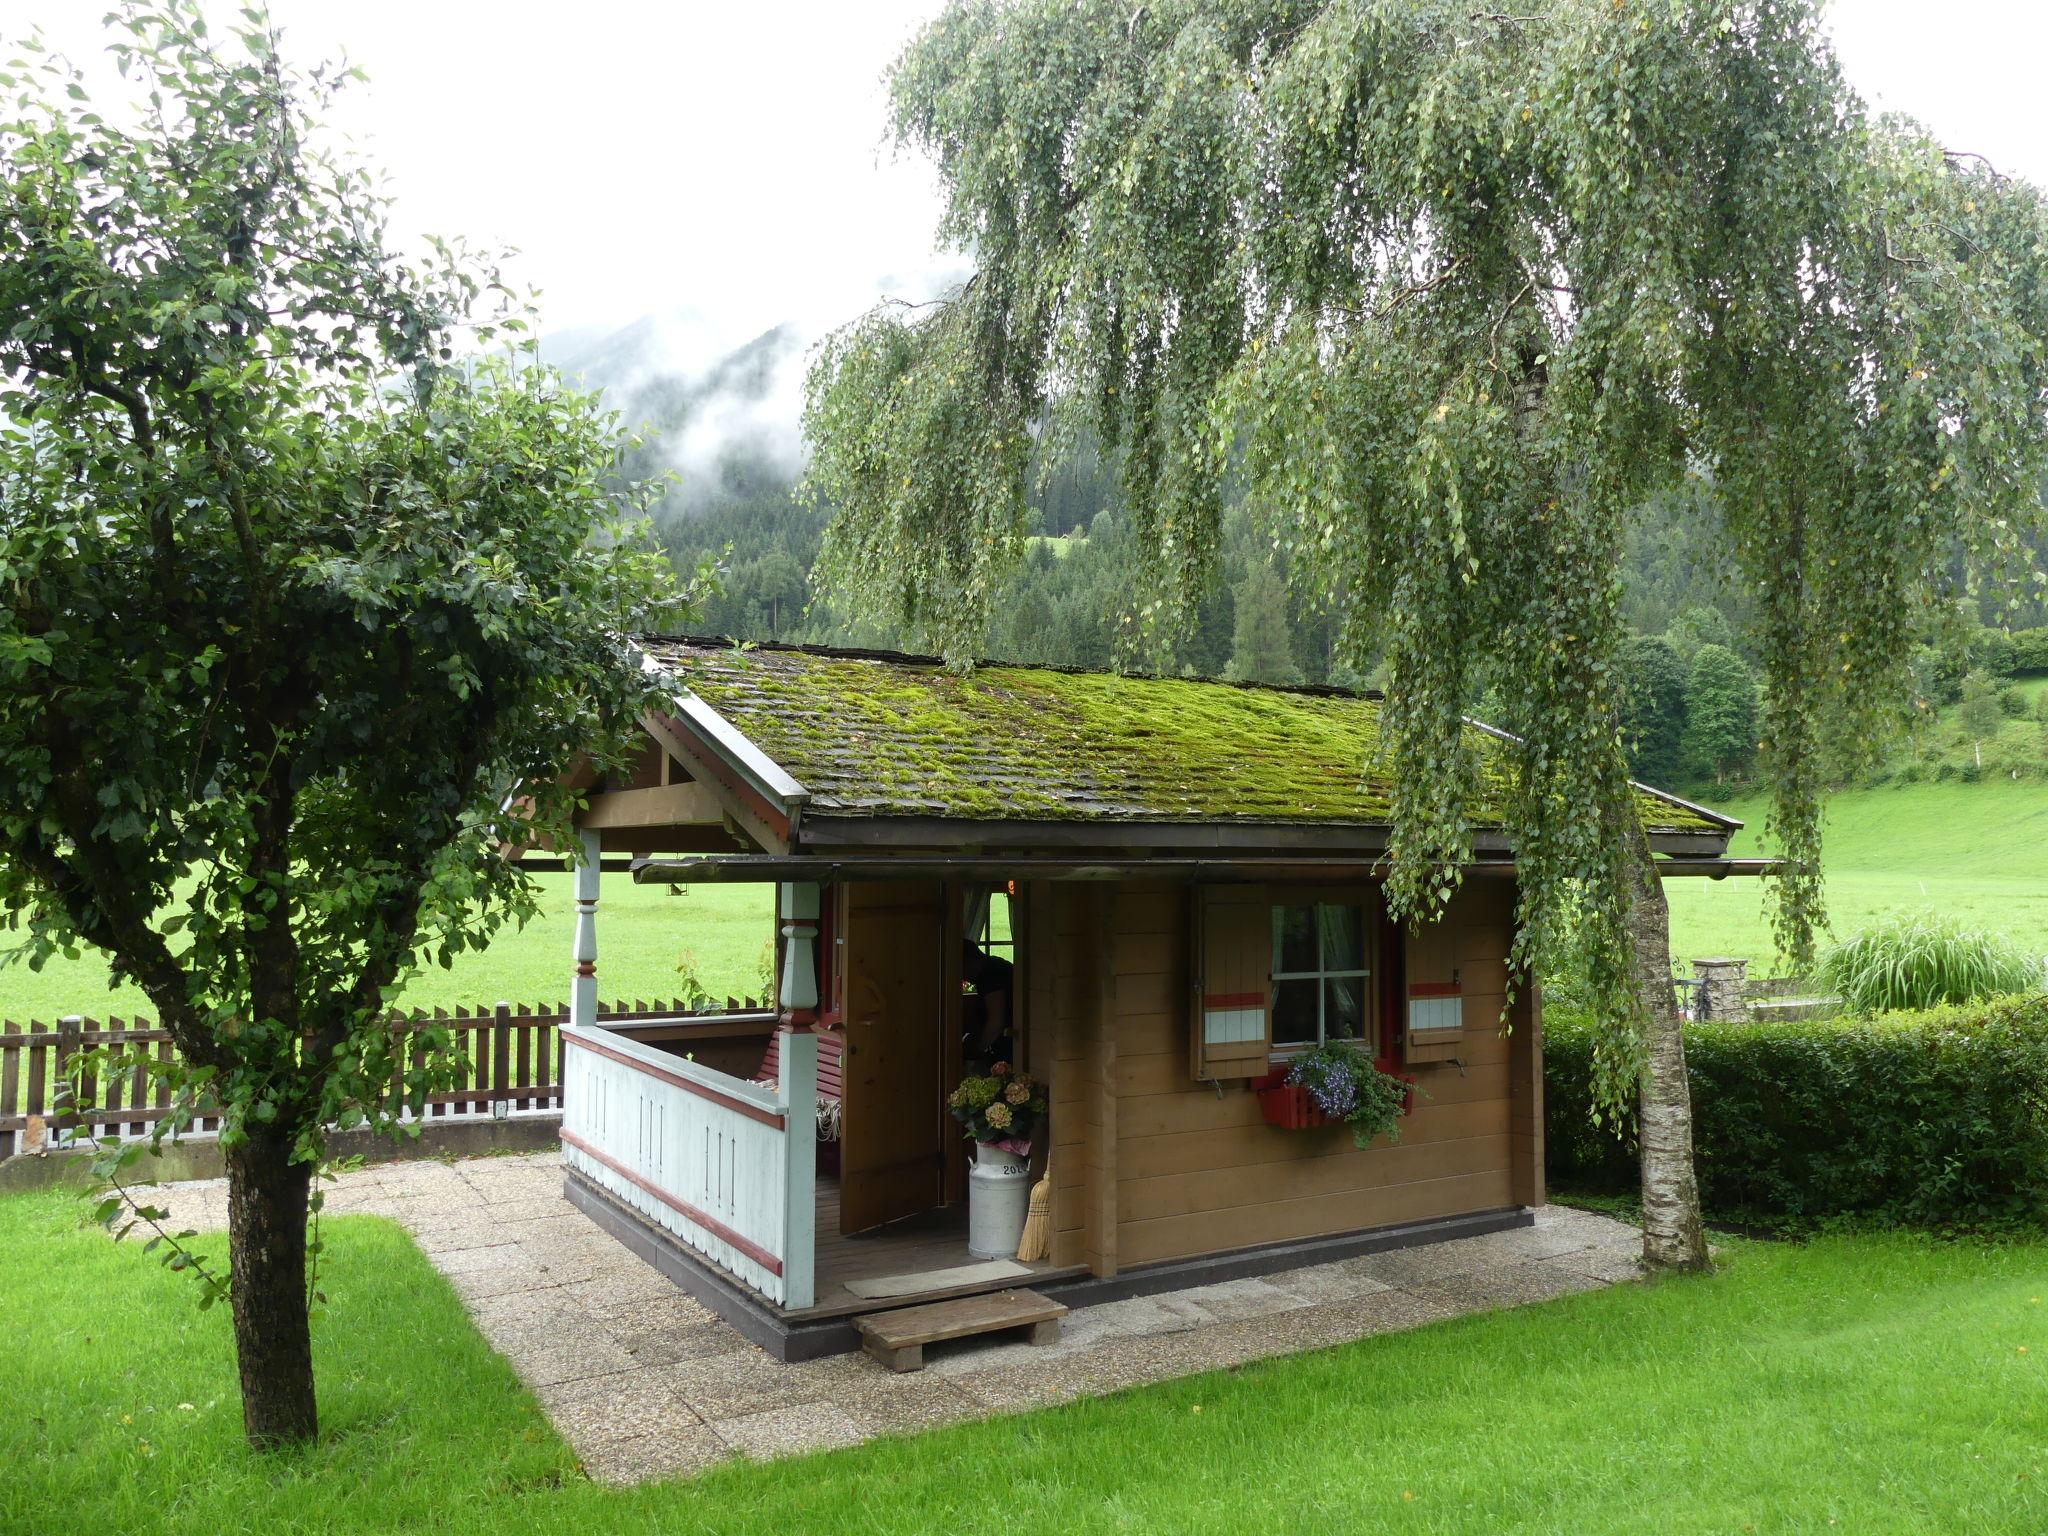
831, 1055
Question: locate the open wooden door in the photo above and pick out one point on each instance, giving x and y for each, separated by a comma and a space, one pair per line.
892, 1146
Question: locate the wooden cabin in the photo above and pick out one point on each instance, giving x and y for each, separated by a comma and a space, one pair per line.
1182, 873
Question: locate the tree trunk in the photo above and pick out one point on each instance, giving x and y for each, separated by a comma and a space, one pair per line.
1672, 1235
267, 1194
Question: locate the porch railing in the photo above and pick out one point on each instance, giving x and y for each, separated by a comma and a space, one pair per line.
510, 1067
726, 1165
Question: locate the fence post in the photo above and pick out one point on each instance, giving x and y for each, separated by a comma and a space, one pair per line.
1721, 990
501, 1060
63, 1094
798, 1090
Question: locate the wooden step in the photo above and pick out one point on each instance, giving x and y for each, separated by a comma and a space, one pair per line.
897, 1338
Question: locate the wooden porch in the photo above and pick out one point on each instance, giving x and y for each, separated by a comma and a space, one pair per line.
933, 1240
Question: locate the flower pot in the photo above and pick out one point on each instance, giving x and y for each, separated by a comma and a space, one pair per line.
998, 1195
1289, 1107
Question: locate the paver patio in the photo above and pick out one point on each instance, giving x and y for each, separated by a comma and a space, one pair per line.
644, 1382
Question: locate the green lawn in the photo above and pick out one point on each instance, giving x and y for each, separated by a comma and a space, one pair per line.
1857, 1384
1974, 851
643, 933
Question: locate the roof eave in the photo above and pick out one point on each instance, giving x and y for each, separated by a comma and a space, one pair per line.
919, 865
825, 833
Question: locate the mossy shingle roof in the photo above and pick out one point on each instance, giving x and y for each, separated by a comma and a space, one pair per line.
876, 735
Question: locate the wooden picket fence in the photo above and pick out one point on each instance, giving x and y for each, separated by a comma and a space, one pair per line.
511, 1065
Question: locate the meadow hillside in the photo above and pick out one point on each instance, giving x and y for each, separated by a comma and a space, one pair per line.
1974, 851
645, 936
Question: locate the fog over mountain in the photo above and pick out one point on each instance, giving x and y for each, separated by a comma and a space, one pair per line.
702, 404
717, 395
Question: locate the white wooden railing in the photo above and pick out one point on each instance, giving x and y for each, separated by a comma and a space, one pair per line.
728, 1166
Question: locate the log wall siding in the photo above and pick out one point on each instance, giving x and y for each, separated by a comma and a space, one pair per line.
1197, 1172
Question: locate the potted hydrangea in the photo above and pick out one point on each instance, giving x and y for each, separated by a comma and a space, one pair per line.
1336, 1084
1000, 1110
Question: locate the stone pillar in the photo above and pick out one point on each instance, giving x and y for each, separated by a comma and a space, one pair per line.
1721, 990
796, 903
583, 990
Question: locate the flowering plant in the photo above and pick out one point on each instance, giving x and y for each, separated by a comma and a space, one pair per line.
1344, 1084
1002, 1107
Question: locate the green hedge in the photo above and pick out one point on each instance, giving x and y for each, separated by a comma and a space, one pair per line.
1929, 1119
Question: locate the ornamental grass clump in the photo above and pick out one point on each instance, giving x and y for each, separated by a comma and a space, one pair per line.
1913, 961
1001, 1107
1343, 1083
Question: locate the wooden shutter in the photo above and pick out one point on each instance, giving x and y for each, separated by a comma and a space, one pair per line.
1434, 1015
1232, 988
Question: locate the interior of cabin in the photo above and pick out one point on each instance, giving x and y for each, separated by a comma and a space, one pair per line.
918, 983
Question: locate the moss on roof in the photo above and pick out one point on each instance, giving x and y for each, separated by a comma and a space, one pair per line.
901, 736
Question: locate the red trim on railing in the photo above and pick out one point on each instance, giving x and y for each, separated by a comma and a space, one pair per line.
1233, 1000
677, 1080
682, 1208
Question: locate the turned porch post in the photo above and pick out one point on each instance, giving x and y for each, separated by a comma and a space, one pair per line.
796, 997
583, 990
797, 988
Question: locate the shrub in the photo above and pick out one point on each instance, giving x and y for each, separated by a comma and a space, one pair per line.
1922, 961
1992, 651
2030, 650
1936, 1119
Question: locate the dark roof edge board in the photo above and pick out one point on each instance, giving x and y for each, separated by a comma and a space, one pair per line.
772, 868
823, 832
768, 776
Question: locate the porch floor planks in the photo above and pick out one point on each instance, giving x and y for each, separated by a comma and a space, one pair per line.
935, 1239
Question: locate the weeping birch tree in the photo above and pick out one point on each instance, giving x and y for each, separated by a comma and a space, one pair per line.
1447, 291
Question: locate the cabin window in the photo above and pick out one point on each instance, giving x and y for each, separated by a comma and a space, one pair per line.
1320, 973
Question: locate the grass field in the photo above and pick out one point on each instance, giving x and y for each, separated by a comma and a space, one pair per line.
643, 933
1974, 851
1854, 1384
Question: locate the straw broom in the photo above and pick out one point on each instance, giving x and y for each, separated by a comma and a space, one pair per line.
1036, 1243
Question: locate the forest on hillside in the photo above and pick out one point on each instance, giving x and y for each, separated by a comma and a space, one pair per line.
1074, 599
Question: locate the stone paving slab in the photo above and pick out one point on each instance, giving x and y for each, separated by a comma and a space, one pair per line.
645, 1382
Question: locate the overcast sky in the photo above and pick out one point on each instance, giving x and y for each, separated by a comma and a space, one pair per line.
726, 158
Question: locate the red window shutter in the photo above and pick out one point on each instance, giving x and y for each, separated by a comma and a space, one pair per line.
1232, 988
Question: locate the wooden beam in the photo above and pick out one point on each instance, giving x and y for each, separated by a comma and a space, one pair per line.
1525, 1090
1098, 1012
752, 815
663, 805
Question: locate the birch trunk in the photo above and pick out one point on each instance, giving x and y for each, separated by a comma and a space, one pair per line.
1673, 1238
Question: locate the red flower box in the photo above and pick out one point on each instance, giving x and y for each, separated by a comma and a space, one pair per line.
1291, 1109
1284, 1105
